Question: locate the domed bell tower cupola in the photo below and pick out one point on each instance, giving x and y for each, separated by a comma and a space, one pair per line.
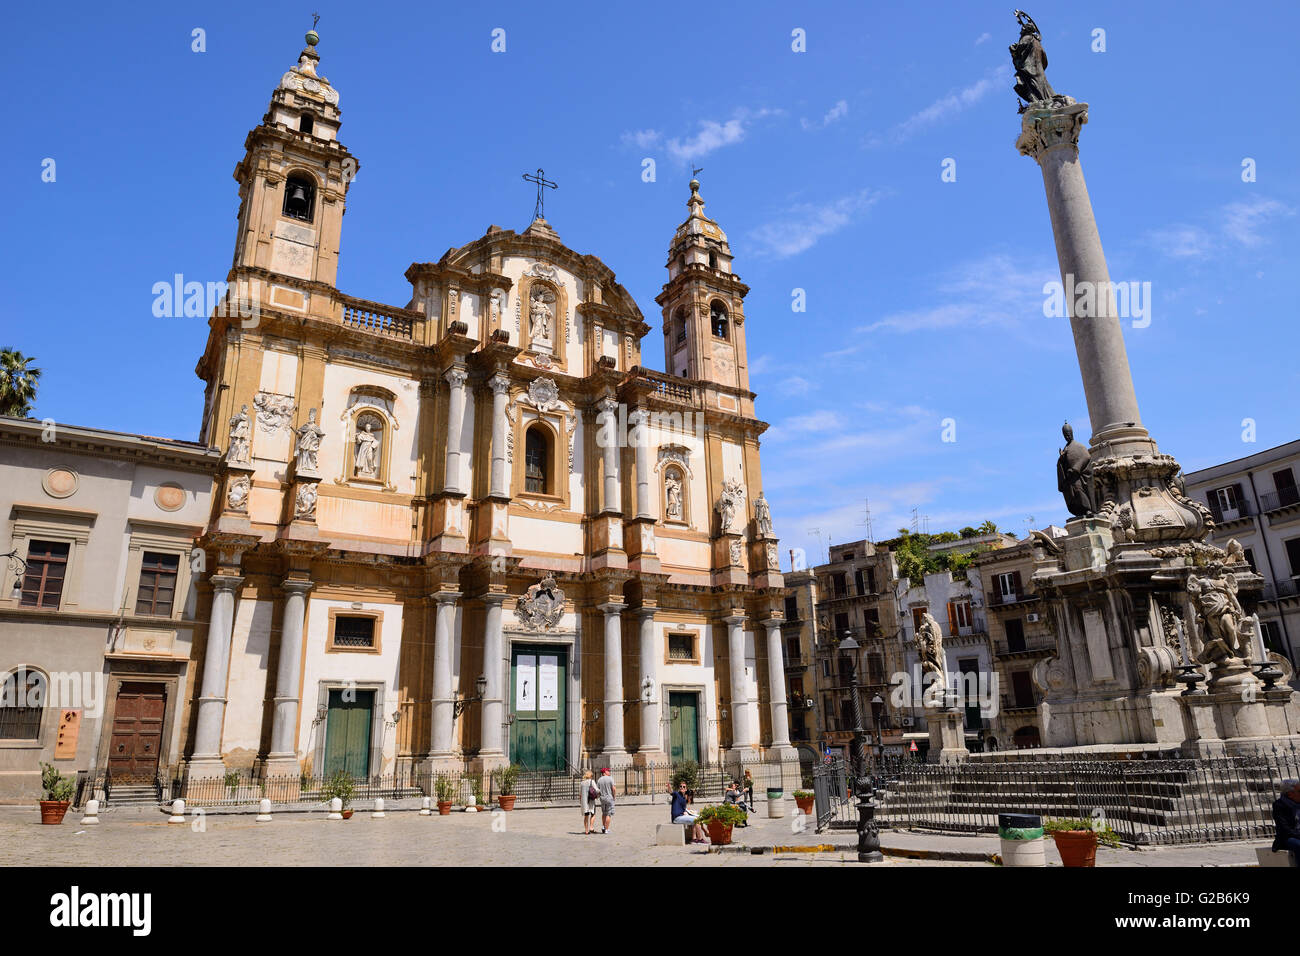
703, 303
293, 183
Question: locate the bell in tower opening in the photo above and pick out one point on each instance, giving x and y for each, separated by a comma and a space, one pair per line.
299, 198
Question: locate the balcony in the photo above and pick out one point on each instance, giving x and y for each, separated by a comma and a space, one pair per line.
1014, 705
1241, 512
998, 599
1280, 505
379, 319
1030, 647
1279, 590
676, 391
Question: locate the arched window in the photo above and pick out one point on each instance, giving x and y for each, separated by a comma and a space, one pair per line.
713, 259
305, 123
679, 323
22, 701
718, 319
537, 461
299, 198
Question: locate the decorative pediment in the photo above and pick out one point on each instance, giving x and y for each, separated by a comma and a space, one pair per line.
674, 454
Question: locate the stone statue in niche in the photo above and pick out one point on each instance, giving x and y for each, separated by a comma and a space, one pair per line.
541, 316
366, 461
673, 491
762, 515
309, 436
240, 428
929, 647
1074, 475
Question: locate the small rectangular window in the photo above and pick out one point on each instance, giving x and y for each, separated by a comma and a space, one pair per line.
681, 647
47, 563
157, 591
354, 631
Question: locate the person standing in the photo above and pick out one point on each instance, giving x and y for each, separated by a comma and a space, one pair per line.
1286, 817
590, 796
605, 784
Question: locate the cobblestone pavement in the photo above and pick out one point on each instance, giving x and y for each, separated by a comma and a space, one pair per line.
131, 837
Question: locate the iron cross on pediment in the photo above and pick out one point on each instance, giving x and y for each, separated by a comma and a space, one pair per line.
542, 184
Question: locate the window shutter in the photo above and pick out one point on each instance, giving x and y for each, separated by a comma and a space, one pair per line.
952, 620
1015, 579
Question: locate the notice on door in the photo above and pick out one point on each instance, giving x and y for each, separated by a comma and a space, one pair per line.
548, 680
526, 682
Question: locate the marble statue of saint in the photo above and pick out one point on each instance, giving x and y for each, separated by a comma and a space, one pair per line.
240, 428
762, 515
367, 456
1221, 614
539, 317
1030, 61
673, 489
1074, 475
929, 647
309, 436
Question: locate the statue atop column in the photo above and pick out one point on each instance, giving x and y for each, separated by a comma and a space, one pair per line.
929, 648
1074, 475
1030, 61
763, 515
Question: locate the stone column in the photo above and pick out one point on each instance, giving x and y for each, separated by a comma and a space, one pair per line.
638, 420
456, 378
216, 665
492, 746
284, 725
742, 733
1051, 136
776, 685
652, 653
614, 750
499, 486
441, 744
612, 500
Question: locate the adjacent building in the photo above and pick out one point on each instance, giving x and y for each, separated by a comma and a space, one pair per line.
98, 601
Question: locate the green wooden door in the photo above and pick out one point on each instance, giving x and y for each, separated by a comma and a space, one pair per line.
537, 702
347, 732
683, 726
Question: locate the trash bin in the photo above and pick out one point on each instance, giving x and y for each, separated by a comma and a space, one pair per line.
775, 803
1022, 839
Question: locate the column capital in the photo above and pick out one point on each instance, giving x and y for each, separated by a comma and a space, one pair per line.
646, 611
456, 376
606, 406
493, 597
612, 607
499, 383
446, 597
1043, 129
225, 582
734, 619
297, 585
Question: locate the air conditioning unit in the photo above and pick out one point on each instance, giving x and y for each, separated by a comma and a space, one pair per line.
908, 721
1031, 618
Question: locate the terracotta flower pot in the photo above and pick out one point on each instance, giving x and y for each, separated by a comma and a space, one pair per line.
444, 808
347, 814
52, 811
1077, 847
806, 805
507, 801
719, 833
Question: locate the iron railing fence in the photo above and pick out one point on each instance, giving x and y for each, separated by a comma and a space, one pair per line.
1158, 800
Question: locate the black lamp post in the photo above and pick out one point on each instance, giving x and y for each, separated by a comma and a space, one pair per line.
868, 835
462, 703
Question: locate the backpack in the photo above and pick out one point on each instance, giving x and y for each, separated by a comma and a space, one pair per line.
593, 791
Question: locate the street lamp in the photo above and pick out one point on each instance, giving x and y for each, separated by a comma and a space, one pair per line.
868, 835
462, 703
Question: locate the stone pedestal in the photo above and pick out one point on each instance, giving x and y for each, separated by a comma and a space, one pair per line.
607, 541
947, 737
449, 523
1088, 544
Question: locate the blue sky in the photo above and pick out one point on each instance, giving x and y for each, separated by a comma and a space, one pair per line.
924, 297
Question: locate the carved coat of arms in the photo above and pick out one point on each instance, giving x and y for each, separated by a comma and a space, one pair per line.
541, 608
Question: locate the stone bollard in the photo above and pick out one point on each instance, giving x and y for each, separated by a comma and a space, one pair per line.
469, 805
92, 813
1022, 839
264, 811
336, 809
178, 812
378, 813
426, 807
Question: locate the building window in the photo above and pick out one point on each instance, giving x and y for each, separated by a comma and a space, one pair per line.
47, 563
718, 319
1227, 501
1022, 689
1249, 554
1015, 629
157, 591
1008, 587
959, 617
847, 556
354, 631
299, 198
1272, 636
841, 625
826, 667
875, 669
792, 608
681, 647
841, 583
536, 462
871, 618
22, 701
918, 615
305, 123
1293, 556
793, 652
1287, 492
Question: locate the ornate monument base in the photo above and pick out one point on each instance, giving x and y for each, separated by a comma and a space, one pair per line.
947, 737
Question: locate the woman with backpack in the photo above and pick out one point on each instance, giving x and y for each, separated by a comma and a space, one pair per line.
590, 798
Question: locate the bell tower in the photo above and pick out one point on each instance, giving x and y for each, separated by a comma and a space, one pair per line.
293, 182
703, 303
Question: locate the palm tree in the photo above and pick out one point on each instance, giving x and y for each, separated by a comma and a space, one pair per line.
17, 383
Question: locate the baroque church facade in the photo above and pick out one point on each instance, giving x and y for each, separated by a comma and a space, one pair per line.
475, 529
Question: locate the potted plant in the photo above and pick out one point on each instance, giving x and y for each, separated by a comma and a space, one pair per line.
687, 771
805, 799
57, 789
340, 785
1076, 840
718, 820
445, 790
507, 777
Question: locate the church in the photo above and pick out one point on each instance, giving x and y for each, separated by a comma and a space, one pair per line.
474, 529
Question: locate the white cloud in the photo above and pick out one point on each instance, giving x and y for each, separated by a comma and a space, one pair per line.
642, 138
795, 385
759, 365
983, 38
836, 113
1242, 220
825, 420
1237, 223
712, 135
1181, 242
949, 105
802, 225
